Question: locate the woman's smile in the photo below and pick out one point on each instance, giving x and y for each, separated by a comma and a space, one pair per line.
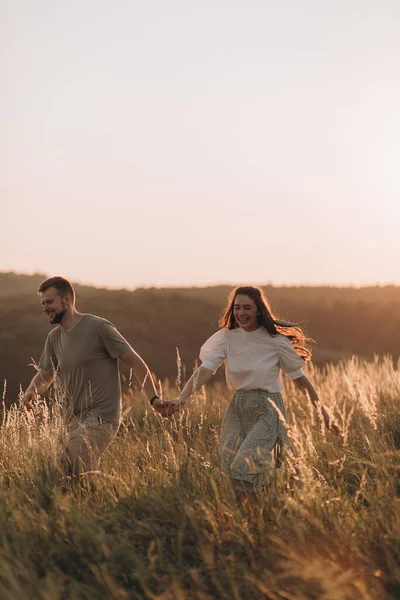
245, 313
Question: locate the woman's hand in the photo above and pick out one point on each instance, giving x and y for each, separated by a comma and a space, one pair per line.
306, 387
166, 408
330, 423
28, 398
179, 401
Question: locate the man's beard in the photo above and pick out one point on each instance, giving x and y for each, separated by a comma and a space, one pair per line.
58, 317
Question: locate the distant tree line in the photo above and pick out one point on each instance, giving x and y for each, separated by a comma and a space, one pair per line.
342, 321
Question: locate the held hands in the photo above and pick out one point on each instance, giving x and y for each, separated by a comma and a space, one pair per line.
166, 408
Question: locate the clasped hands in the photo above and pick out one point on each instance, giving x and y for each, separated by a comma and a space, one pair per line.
166, 408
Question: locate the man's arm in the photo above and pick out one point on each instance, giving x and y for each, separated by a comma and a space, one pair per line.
142, 373
39, 384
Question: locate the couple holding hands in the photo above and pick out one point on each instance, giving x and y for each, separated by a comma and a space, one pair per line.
82, 354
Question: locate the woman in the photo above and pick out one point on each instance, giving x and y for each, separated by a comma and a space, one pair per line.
255, 347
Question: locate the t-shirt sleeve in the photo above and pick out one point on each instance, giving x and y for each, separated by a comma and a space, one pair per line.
48, 360
290, 362
113, 342
213, 351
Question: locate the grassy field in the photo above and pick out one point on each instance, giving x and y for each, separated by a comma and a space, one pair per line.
161, 522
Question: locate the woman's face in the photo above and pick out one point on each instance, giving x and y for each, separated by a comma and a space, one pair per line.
245, 312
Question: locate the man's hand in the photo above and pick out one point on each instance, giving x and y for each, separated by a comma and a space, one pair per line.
39, 384
166, 408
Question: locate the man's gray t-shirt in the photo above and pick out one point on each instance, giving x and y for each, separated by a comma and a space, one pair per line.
86, 364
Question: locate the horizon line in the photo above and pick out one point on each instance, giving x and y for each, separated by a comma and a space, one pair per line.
211, 284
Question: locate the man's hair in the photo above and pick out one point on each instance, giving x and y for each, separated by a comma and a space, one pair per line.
62, 285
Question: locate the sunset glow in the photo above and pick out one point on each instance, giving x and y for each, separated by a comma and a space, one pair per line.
150, 144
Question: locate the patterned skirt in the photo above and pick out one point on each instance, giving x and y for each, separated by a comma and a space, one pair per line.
254, 425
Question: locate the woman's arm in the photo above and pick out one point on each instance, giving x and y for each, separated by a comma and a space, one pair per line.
307, 388
197, 380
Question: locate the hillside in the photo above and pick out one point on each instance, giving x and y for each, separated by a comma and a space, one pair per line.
342, 321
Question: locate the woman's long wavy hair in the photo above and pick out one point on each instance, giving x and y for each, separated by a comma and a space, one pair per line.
266, 319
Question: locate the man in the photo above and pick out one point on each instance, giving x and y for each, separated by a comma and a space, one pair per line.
81, 355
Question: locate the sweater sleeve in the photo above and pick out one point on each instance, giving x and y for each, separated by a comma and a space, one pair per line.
213, 351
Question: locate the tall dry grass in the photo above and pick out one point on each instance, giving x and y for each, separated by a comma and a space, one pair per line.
161, 521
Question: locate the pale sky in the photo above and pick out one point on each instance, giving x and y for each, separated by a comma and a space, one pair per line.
194, 142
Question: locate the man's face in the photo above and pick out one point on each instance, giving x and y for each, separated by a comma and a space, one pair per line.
54, 305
